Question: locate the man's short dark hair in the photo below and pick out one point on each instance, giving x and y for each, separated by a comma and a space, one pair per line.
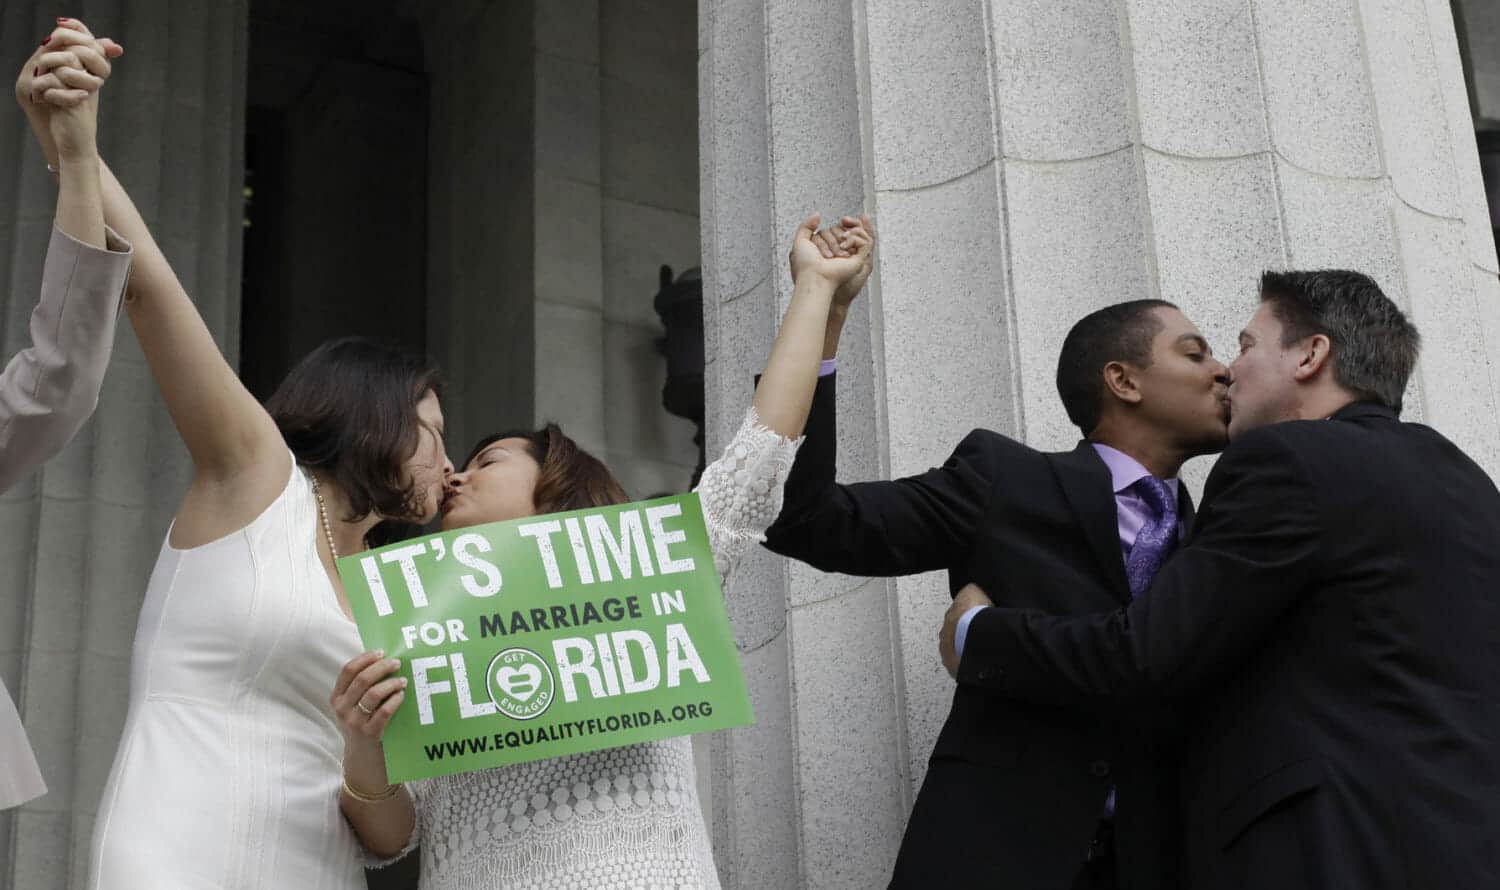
1374, 345
1119, 333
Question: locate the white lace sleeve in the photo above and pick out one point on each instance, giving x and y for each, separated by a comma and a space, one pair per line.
414, 788
741, 491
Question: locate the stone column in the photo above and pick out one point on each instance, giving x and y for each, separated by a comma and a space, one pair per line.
563, 174
798, 800
1028, 161
648, 196
480, 198
78, 539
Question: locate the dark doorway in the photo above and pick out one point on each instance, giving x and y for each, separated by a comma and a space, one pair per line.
336, 182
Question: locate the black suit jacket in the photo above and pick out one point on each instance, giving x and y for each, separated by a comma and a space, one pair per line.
1334, 627
1014, 790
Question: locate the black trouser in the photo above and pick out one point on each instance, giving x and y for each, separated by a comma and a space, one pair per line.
1098, 872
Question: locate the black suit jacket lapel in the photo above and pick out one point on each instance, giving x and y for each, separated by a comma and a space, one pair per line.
1090, 492
1185, 512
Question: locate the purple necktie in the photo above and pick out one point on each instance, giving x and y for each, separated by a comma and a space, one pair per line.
1156, 537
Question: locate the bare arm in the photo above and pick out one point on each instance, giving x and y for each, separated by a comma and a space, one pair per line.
80, 202
224, 428
785, 392
240, 462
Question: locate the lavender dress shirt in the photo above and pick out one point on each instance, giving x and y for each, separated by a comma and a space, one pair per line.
1131, 512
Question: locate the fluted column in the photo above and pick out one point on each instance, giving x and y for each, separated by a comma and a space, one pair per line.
78, 538
1029, 161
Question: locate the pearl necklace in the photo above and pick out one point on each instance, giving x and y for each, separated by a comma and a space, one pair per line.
323, 514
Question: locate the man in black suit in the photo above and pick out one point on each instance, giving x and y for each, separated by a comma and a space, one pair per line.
1332, 627
1020, 795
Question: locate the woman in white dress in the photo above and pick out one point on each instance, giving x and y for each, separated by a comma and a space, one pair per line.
626, 817
227, 773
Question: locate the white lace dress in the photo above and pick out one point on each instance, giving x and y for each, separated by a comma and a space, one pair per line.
621, 819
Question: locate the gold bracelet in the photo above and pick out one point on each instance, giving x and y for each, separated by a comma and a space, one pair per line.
362, 797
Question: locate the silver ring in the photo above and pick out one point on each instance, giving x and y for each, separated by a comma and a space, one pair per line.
366, 711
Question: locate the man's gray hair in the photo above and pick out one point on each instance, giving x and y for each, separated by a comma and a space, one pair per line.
1374, 344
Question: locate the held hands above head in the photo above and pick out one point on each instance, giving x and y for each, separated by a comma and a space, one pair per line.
809, 329
849, 248
969, 597
839, 240
58, 89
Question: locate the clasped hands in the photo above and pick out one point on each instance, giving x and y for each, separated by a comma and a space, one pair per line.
970, 596
842, 253
58, 87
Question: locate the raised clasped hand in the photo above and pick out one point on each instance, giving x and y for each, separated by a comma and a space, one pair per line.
58, 87
841, 255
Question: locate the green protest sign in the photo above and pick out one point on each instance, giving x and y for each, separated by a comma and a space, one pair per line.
550, 635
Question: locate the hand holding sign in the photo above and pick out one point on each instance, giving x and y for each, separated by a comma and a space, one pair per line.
366, 696
364, 699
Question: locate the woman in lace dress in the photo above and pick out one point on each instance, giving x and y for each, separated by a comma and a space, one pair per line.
625, 817
227, 772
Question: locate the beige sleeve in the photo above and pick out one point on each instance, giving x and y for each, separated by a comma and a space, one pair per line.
50, 388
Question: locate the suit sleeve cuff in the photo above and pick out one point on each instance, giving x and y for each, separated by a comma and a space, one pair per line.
100, 274
114, 244
962, 633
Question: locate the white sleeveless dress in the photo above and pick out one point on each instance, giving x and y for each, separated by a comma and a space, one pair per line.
227, 774
622, 819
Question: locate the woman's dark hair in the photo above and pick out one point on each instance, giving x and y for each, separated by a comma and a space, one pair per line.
349, 411
570, 478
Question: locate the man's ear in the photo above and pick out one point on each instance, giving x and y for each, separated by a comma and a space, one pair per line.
1120, 382
1316, 353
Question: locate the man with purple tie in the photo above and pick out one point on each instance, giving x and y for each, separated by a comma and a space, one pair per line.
1148, 527
1330, 631
1016, 794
